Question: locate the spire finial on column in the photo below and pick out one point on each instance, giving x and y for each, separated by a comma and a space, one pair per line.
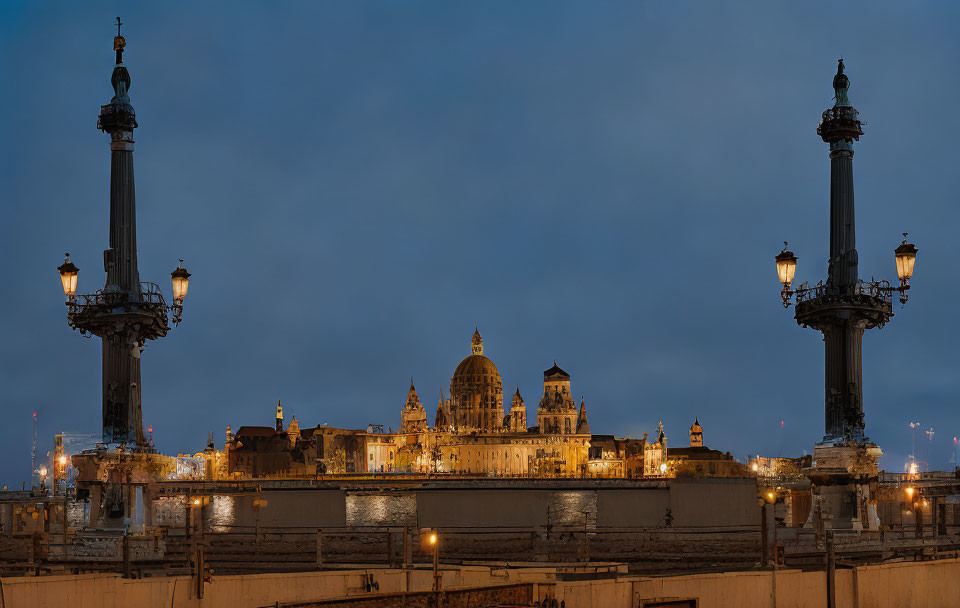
119, 42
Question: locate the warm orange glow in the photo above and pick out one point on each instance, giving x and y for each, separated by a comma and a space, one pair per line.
754, 467
63, 461
771, 497
68, 277
786, 266
906, 256
196, 501
42, 471
433, 538
181, 281
909, 490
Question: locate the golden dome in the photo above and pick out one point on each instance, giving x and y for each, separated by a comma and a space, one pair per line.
476, 391
476, 369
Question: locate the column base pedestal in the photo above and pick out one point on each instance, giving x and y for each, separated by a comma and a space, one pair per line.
840, 477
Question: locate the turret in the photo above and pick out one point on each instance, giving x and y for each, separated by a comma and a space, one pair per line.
557, 411
413, 417
293, 431
518, 413
279, 426
696, 434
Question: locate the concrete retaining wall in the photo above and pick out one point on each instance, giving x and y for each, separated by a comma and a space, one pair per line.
902, 585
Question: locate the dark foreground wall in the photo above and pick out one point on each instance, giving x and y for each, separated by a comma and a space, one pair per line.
705, 503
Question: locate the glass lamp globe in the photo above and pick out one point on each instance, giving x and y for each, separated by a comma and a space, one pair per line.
786, 265
906, 256
181, 281
68, 277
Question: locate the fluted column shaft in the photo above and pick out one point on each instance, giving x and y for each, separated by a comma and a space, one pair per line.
842, 274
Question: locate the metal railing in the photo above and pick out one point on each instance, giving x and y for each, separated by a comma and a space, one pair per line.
149, 294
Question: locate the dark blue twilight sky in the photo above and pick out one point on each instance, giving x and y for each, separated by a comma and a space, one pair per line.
356, 185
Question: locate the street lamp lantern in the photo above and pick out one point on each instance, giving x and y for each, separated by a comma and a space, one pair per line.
181, 281
786, 266
68, 276
906, 255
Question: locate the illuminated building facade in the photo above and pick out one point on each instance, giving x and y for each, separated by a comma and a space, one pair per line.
471, 435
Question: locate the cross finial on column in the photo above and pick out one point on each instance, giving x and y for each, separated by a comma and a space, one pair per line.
119, 42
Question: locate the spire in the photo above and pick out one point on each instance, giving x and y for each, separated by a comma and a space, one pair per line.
583, 427
476, 343
279, 416
413, 400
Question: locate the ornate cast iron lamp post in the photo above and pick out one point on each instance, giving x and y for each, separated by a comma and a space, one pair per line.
126, 312
842, 309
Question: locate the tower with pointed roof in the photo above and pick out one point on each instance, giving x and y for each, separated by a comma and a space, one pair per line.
696, 434
279, 425
293, 431
413, 417
518, 414
557, 412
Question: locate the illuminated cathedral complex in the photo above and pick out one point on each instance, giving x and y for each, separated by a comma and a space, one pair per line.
472, 435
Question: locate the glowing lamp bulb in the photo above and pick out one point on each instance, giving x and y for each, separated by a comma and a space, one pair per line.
42, 471
63, 461
786, 265
68, 277
181, 281
909, 492
663, 468
906, 256
433, 538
